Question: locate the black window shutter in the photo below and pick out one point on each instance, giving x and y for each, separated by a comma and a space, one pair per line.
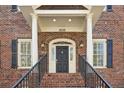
109, 8
14, 54
109, 53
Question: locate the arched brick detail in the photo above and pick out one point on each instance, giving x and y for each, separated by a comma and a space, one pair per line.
46, 37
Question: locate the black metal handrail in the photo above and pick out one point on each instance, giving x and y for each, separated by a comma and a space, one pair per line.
34, 76
91, 76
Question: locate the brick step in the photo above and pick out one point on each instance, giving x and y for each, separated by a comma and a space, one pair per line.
62, 80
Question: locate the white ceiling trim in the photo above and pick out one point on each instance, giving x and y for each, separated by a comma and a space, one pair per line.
62, 12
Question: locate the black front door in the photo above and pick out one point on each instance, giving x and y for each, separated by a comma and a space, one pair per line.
62, 57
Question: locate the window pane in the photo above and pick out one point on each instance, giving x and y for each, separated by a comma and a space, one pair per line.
100, 60
98, 53
23, 47
101, 45
28, 60
101, 52
109, 8
95, 46
23, 60
95, 60
71, 53
94, 51
53, 54
28, 48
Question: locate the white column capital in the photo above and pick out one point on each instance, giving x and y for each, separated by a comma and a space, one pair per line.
34, 15
89, 14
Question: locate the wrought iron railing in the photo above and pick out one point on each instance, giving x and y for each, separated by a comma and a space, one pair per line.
91, 76
32, 79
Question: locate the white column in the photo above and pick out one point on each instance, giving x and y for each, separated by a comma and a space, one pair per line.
34, 39
89, 39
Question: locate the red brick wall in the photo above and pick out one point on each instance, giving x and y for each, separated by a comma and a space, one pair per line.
111, 26
46, 37
12, 26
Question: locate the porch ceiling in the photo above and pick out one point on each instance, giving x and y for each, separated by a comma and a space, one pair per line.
71, 10
60, 23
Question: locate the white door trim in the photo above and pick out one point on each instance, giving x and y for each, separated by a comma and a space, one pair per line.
52, 54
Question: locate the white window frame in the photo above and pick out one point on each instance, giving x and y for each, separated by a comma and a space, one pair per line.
19, 53
105, 52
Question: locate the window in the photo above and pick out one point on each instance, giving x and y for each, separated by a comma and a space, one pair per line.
99, 53
71, 53
109, 8
24, 53
53, 54
14, 8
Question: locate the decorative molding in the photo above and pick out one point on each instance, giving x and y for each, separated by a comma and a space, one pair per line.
52, 60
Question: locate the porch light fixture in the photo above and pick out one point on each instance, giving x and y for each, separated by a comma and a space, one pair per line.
69, 20
81, 45
54, 20
42, 45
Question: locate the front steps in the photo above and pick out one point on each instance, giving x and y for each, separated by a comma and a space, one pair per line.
56, 80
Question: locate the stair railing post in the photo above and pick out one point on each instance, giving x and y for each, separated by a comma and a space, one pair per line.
85, 73
39, 74
45, 64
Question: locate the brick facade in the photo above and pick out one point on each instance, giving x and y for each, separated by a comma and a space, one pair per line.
109, 26
12, 26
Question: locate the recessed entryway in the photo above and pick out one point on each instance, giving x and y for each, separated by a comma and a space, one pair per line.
62, 56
